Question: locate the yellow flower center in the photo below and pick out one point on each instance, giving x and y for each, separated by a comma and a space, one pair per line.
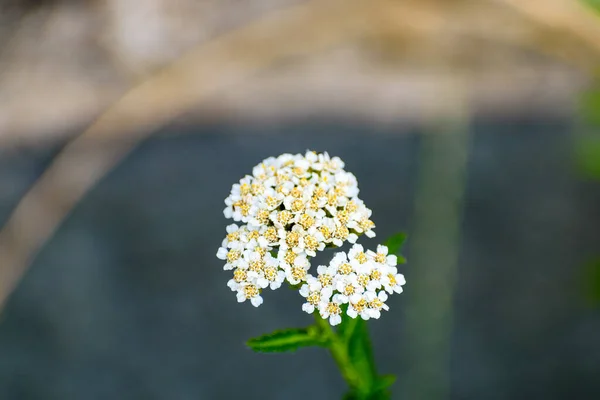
343, 216
319, 193
366, 224
325, 279
340, 190
256, 266
341, 232
310, 243
349, 290
245, 209
297, 205
251, 291
296, 192
363, 280
306, 221
325, 231
298, 273
332, 199
360, 305
334, 309
292, 239
257, 189
245, 189
263, 217
392, 279
290, 257
376, 275
345, 269
271, 234
240, 275
271, 201
361, 257
270, 273
351, 206
284, 217
233, 236
304, 182
233, 255
314, 298
297, 171
376, 303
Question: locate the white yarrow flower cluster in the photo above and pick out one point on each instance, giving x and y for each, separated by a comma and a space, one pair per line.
358, 281
290, 208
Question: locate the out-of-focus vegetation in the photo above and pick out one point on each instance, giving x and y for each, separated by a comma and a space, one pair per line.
593, 3
592, 282
587, 157
588, 143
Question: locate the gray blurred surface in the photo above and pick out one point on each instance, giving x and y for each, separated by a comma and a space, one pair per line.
128, 300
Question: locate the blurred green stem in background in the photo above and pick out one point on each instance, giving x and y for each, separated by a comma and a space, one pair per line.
587, 162
434, 254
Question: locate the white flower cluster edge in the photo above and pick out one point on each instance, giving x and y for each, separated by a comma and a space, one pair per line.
291, 207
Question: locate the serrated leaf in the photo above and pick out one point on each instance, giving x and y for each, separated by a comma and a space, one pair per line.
286, 340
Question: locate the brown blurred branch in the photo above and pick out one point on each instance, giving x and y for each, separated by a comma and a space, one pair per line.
297, 32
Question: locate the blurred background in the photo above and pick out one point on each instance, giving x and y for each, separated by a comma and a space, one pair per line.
470, 125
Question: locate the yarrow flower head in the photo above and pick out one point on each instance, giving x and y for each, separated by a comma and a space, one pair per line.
357, 281
290, 208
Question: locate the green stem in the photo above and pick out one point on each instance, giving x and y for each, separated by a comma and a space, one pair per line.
358, 372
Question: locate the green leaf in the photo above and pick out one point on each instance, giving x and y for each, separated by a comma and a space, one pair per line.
346, 328
378, 392
384, 382
394, 245
360, 351
287, 340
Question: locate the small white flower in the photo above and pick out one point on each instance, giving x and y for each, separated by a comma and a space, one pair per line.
313, 293
271, 199
376, 303
392, 281
297, 272
331, 310
311, 242
271, 275
358, 306
347, 286
337, 261
355, 250
382, 257
250, 292
291, 240
232, 256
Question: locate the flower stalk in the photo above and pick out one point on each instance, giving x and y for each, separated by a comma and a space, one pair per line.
350, 348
